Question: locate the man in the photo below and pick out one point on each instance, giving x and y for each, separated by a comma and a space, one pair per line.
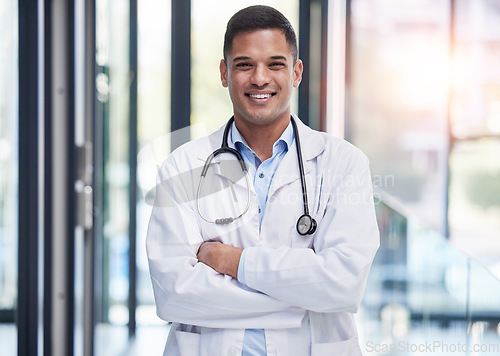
257, 285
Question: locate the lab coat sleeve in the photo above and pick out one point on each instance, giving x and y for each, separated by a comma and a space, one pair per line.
331, 276
192, 293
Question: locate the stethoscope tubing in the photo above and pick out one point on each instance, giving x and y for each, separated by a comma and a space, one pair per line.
228, 220
301, 168
304, 220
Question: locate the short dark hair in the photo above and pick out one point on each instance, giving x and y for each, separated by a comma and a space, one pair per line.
259, 17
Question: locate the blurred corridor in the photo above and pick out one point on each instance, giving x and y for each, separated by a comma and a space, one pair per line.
94, 95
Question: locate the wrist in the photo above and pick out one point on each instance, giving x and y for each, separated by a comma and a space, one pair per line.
223, 258
231, 260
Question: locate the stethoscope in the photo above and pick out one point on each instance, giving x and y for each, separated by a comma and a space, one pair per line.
306, 225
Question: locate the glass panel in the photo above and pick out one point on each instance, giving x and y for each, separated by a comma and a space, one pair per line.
116, 167
474, 164
113, 83
154, 36
210, 103
399, 99
476, 71
475, 200
437, 290
425, 296
8, 174
484, 316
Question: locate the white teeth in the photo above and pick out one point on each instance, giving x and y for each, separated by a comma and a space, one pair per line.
260, 96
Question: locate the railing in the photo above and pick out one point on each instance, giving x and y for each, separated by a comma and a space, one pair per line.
425, 297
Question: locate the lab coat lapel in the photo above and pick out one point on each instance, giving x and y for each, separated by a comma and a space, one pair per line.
287, 172
312, 144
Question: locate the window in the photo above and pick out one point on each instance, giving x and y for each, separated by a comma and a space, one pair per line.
475, 128
399, 100
8, 174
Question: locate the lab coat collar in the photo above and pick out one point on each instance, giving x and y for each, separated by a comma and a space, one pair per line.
312, 144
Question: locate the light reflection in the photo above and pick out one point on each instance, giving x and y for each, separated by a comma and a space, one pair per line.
493, 117
395, 320
5, 150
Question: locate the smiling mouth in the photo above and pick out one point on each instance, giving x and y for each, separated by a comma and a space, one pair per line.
260, 96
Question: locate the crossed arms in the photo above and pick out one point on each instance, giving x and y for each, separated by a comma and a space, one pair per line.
195, 281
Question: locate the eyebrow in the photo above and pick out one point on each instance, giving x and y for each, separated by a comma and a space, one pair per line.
241, 58
245, 58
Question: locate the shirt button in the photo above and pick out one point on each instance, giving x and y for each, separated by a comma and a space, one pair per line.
261, 175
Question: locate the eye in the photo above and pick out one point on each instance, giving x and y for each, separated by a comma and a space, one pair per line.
277, 65
243, 66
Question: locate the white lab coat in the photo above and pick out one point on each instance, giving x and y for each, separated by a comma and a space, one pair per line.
303, 290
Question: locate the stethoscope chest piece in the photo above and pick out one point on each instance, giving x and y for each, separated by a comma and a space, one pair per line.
306, 225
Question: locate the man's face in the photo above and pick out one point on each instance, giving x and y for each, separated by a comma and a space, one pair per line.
260, 75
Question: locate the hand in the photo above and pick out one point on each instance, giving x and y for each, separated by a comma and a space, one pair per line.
222, 258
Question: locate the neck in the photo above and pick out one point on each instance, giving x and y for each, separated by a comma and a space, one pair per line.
261, 138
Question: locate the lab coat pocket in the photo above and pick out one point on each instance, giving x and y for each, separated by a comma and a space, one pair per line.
188, 343
348, 347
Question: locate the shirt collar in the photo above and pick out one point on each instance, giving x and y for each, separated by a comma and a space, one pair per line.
286, 138
313, 143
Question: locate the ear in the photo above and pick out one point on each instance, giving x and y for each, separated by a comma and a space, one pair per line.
298, 68
223, 73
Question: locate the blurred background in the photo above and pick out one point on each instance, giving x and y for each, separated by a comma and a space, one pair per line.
94, 95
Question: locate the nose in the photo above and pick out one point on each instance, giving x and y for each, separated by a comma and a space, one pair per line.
260, 76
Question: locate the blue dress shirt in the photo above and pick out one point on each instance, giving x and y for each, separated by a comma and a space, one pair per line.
261, 174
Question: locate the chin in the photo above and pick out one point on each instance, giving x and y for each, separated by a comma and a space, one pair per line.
260, 120
263, 118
